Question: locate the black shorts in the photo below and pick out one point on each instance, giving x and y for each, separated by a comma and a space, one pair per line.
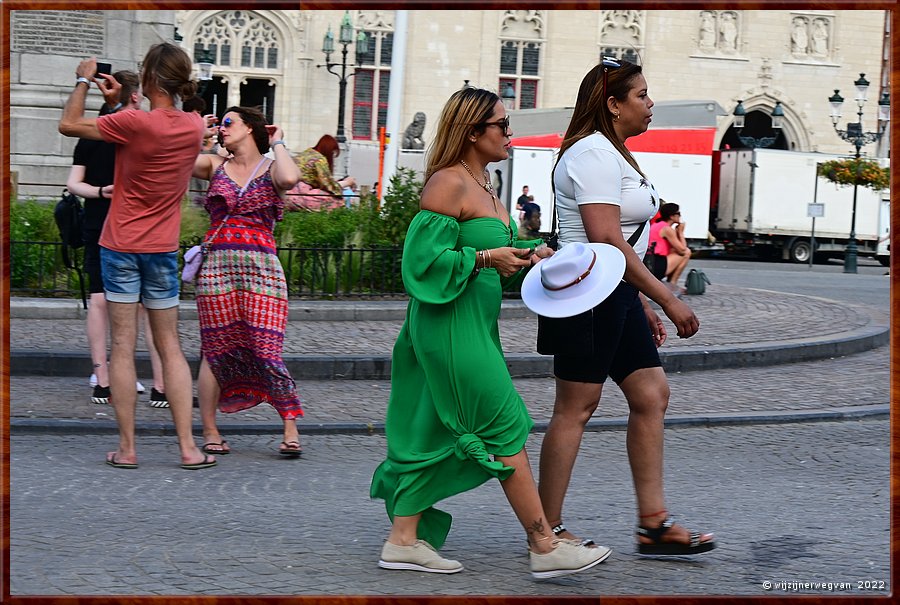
95, 211
613, 339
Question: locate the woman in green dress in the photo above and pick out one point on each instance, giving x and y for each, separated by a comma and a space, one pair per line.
454, 419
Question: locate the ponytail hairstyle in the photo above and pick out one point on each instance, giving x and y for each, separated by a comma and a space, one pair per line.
610, 78
465, 113
167, 68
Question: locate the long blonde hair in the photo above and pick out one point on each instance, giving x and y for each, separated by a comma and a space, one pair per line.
591, 111
465, 112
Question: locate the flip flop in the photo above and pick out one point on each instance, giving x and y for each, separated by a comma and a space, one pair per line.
113, 461
290, 449
207, 462
207, 448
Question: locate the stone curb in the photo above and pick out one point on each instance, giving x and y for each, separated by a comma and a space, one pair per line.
521, 365
76, 426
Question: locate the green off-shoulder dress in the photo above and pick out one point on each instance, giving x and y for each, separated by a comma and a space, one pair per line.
452, 406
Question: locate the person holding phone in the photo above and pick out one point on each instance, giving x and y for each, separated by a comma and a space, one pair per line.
91, 177
139, 242
241, 289
454, 418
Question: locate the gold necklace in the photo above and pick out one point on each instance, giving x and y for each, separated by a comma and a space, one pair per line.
486, 185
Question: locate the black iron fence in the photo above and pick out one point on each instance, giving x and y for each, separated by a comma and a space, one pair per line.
37, 269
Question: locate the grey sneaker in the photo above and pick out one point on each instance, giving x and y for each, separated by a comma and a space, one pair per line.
569, 556
421, 556
100, 395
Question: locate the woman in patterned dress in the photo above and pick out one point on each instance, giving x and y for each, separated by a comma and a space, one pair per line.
241, 289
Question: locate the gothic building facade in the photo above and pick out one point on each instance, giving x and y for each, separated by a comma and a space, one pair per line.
274, 59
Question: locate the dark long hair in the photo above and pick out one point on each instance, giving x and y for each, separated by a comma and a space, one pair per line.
255, 119
592, 112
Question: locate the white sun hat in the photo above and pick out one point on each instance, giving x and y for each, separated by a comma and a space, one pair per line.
577, 278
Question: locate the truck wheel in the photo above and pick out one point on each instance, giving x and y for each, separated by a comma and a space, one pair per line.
800, 251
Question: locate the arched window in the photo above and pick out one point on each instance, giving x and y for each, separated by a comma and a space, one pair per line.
238, 39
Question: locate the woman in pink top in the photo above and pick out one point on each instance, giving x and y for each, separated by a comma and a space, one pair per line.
668, 234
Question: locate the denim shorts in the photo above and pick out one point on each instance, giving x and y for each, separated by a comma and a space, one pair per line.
148, 278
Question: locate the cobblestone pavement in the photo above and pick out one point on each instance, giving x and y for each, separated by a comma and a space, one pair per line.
804, 502
859, 381
728, 316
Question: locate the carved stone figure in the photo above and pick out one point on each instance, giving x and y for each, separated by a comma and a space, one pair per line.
820, 38
728, 31
799, 37
412, 136
707, 31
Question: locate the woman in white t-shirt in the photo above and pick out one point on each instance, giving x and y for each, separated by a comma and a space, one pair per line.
602, 196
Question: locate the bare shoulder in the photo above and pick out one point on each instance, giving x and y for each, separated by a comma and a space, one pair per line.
443, 193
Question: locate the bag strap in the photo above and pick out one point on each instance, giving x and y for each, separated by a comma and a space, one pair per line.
554, 227
206, 244
637, 234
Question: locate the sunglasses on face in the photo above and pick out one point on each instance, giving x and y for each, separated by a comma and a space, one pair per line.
502, 124
227, 122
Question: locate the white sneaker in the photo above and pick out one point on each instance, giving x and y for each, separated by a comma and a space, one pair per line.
569, 556
93, 380
140, 387
421, 556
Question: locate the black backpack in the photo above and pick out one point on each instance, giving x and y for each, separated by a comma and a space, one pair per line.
69, 217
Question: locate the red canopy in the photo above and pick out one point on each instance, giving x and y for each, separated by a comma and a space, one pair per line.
693, 141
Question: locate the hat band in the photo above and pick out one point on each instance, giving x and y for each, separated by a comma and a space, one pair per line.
577, 280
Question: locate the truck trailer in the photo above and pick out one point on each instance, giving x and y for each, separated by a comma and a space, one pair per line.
773, 203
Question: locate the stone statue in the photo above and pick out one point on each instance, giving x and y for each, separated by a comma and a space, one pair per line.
820, 38
799, 37
728, 31
707, 31
412, 136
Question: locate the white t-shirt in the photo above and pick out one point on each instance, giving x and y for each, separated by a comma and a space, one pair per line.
592, 171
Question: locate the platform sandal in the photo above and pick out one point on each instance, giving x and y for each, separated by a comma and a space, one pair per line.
560, 528
658, 547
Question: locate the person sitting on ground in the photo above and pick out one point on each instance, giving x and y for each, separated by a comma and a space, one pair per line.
317, 187
668, 235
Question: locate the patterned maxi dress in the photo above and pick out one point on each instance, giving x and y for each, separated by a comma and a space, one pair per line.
242, 297
453, 406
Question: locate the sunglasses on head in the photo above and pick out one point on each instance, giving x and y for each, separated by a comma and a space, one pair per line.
608, 63
502, 124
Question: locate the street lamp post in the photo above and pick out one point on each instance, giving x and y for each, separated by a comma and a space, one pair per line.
345, 39
204, 71
854, 134
777, 122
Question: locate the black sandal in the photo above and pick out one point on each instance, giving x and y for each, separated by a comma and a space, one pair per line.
658, 547
558, 529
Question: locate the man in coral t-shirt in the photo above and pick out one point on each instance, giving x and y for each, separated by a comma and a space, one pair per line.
139, 243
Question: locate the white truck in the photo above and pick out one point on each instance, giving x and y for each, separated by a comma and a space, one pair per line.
763, 206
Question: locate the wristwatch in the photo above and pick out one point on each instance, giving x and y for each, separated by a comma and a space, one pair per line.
80, 79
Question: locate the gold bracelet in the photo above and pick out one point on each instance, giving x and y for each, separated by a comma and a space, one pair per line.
490, 259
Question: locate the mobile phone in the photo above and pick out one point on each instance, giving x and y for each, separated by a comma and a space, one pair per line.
103, 68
